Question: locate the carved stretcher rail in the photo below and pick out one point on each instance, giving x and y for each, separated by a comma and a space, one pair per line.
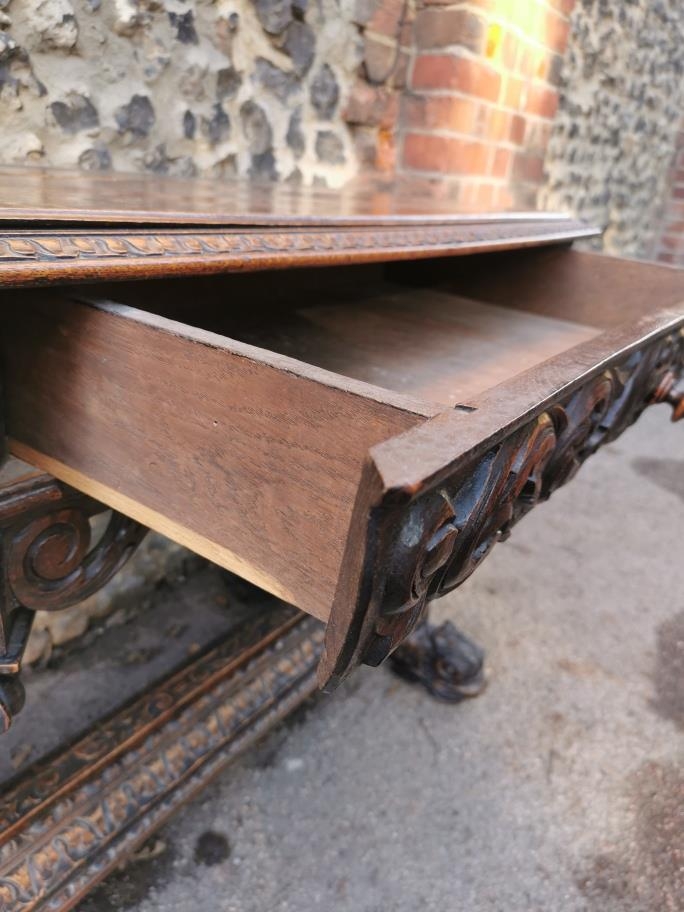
32, 257
423, 543
70, 820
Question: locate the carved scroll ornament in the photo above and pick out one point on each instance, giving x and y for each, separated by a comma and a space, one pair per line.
50, 559
430, 546
49, 562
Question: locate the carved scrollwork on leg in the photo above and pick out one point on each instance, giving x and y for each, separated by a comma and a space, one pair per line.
432, 544
670, 391
488, 502
50, 562
49, 559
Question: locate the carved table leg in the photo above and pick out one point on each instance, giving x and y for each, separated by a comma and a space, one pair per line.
49, 561
448, 664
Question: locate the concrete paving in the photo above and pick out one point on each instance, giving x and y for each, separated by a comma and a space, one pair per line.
560, 789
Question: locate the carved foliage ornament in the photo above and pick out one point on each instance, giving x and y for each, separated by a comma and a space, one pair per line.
46, 246
444, 533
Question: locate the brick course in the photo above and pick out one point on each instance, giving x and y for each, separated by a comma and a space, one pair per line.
482, 93
460, 93
440, 28
467, 75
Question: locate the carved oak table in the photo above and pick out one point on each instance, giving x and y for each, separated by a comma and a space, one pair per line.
345, 398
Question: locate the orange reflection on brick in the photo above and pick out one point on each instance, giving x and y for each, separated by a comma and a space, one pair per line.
482, 93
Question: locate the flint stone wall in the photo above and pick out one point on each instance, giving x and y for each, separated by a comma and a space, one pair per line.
182, 87
621, 102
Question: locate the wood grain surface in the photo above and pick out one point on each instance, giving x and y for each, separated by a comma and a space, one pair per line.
591, 288
252, 456
37, 194
434, 501
61, 226
59, 256
435, 345
247, 458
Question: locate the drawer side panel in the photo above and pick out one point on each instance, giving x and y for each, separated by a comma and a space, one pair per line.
252, 466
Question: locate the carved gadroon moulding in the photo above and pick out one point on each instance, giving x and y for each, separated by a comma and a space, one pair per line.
432, 540
50, 561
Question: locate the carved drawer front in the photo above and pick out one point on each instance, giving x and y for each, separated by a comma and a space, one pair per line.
354, 440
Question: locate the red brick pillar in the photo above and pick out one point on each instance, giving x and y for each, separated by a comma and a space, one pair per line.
481, 93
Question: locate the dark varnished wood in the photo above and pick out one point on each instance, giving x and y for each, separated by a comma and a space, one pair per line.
39, 257
58, 227
241, 427
446, 662
425, 532
48, 195
49, 562
254, 458
75, 815
249, 458
355, 441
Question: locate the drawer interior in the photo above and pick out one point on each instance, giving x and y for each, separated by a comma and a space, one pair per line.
429, 343
236, 414
441, 332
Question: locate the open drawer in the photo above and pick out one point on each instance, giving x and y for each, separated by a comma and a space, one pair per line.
353, 440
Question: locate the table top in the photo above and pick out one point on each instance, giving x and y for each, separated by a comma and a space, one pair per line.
65, 226
29, 195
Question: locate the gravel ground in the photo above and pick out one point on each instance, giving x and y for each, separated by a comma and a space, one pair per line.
560, 789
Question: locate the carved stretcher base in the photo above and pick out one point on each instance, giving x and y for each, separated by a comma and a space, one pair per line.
446, 662
70, 819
